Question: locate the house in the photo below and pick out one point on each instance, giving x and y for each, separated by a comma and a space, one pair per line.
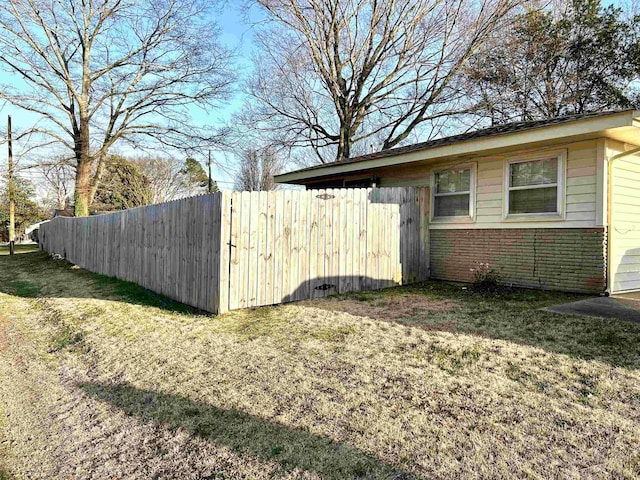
552, 204
32, 232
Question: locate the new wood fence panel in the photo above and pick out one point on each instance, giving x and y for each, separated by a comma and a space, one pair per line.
225, 254
262, 252
253, 273
305, 247
270, 248
309, 244
296, 237
313, 226
321, 263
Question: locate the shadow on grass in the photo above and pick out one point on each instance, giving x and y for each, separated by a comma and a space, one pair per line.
246, 434
36, 274
511, 314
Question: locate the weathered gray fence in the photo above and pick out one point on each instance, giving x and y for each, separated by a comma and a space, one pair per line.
234, 250
171, 248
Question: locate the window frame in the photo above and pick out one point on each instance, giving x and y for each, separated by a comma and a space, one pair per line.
559, 214
472, 194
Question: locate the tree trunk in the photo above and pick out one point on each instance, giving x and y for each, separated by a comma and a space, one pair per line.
83, 189
82, 195
344, 143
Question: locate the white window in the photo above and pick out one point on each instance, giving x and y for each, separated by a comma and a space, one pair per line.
453, 193
534, 186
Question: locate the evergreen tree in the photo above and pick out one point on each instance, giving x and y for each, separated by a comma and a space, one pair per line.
196, 179
123, 187
27, 211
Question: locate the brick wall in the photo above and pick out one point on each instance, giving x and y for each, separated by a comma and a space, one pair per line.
569, 259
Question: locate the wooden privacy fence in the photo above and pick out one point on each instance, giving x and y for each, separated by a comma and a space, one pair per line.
171, 248
232, 250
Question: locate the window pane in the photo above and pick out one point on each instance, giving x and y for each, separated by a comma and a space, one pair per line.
538, 172
455, 180
451, 206
535, 200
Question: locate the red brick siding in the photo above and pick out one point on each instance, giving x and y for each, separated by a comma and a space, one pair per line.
569, 259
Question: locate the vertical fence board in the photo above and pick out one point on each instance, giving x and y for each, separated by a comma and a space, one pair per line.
294, 241
261, 246
302, 290
226, 217
253, 259
324, 244
314, 223
270, 249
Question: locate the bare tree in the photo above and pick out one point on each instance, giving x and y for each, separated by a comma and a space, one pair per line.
333, 73
166, 178
58, 179
256, 170
105, 71
170, 178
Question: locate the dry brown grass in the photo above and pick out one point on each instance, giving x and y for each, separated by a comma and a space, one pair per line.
99, 379
390, 307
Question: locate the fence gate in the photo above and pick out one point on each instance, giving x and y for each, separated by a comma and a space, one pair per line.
291, 245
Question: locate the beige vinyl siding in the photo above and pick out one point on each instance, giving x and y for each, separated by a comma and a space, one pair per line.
625, 220
580, 187
581, 183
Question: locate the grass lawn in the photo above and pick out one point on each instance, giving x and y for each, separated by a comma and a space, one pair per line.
102, 379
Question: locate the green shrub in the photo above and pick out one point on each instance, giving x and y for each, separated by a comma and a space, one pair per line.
485, 278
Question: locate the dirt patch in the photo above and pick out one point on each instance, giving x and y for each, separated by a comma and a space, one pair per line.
393, 308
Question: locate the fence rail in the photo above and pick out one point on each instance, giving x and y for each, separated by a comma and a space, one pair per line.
232, 250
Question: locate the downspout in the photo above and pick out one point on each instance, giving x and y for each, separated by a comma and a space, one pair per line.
610, 209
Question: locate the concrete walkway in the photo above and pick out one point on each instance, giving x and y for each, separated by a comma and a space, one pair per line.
621, 307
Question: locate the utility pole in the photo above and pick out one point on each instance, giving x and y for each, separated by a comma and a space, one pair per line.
210, 180
12, 192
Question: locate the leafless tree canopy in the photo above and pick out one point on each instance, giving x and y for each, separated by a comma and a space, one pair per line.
334, 74
257, 168
105, 71
170, 178
165, 176
58, 179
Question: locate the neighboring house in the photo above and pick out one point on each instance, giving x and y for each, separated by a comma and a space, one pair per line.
32, 232
552, 204
68, 211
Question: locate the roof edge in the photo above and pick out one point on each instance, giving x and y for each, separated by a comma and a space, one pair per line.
449, 146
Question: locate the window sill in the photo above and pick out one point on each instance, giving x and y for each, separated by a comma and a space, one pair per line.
534, 217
